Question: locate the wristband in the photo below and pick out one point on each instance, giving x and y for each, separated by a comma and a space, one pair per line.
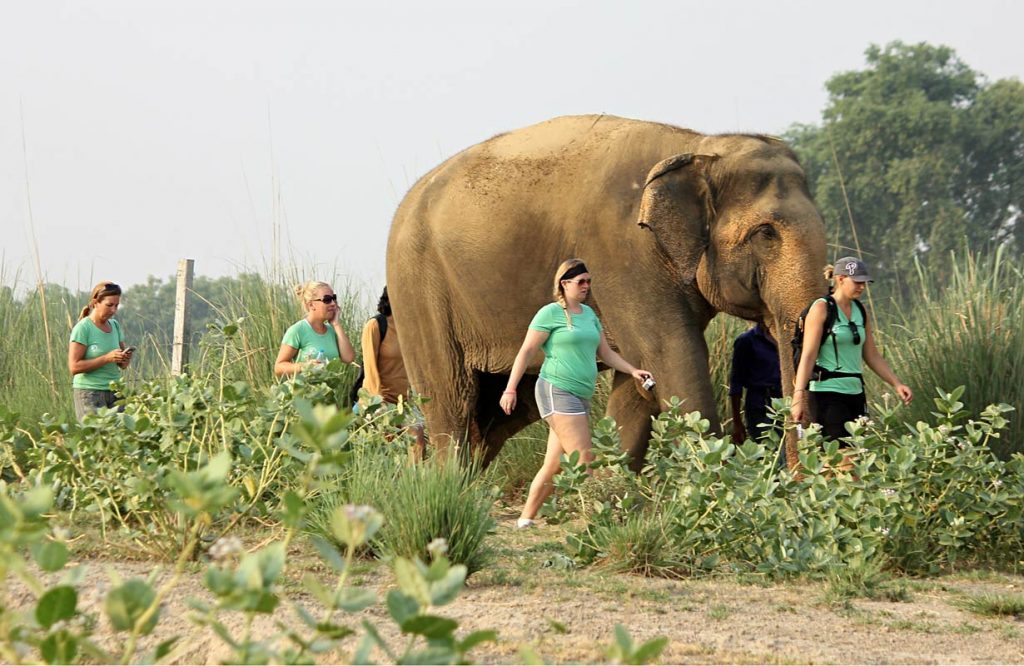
508, 391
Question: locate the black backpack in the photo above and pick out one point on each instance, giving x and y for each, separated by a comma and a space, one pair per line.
353, 395
831, 313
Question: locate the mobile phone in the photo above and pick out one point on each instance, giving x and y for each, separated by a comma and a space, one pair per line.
648, 383
129, 350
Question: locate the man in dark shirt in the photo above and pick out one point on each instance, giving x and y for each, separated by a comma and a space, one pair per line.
755, 367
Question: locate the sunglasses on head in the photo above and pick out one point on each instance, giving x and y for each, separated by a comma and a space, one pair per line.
856, 333
581, 281
327, 299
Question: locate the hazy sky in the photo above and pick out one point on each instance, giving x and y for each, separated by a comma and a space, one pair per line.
144, 132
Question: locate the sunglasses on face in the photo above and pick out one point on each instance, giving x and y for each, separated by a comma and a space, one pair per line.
581, 281
327, 299
856, 333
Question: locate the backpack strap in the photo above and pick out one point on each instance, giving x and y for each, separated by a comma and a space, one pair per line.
863, 311
382, 324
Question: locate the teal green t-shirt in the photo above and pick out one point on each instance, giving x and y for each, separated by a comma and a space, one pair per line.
570, 354
850, 355
97, 343
301, 336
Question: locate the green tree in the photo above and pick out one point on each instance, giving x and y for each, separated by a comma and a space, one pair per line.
931, 155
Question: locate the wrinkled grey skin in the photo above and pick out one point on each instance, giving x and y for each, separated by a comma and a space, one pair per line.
675, 226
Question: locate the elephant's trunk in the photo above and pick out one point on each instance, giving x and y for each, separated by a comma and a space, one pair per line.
782, 330
781, 321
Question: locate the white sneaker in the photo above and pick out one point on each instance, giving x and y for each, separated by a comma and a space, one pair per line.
524, 523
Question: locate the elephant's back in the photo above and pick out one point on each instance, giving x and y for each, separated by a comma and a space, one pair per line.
565, 157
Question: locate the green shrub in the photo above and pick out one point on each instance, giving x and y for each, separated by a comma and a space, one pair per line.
924, 499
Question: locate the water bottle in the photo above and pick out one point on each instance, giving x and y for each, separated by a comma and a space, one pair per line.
321, 357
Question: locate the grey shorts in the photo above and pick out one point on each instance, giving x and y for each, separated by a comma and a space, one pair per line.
87, 401
553, 400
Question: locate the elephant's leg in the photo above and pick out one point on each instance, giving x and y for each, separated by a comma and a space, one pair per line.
632, 413
495, 426
450, 390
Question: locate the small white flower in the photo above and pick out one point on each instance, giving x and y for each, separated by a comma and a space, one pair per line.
997, 483
360, 512
225, 547
889, 492
884, 531
438, 547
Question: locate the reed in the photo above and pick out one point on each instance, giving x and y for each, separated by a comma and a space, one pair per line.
968, 332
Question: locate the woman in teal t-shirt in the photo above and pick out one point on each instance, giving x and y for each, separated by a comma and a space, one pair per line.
96, 352
572, 339
318, 337
819, 395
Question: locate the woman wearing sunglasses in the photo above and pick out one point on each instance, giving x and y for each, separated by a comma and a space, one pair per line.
318, 337
829, 384
571, 336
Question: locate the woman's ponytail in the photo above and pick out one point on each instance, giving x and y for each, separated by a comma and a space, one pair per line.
829, 274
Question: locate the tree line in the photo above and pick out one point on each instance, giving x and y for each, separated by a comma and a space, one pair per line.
925, 154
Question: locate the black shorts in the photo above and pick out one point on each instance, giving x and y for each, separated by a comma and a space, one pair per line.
834, 410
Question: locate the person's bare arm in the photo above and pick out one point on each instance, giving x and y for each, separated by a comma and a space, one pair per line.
78, 364
813, 327
346, 352
285, 363
532, 343
873, 358
739, 432
612, 359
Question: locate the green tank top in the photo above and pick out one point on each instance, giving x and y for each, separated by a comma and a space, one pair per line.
849, 357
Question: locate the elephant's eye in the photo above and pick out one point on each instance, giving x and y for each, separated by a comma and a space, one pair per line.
764, 232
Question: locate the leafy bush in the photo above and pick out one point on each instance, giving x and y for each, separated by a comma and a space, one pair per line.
921, 500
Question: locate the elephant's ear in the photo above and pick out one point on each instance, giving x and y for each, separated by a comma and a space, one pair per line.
677, 206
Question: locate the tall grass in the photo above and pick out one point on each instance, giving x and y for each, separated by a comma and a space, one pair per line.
970, 332
33, 371
720, 335
438, 498
32, 384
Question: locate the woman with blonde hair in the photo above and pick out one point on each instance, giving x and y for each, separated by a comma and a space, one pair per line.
829, 385
317, 338
572, 338
96, 351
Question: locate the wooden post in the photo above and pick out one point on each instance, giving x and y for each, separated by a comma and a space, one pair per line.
182, 323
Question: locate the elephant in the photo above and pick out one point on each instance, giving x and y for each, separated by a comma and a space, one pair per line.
675, 226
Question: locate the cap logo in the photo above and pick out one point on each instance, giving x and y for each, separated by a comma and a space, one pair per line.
851, 267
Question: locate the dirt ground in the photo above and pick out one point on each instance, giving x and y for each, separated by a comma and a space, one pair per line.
532, 596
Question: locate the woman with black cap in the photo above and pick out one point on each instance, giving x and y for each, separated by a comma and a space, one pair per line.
829, 385
571, 336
